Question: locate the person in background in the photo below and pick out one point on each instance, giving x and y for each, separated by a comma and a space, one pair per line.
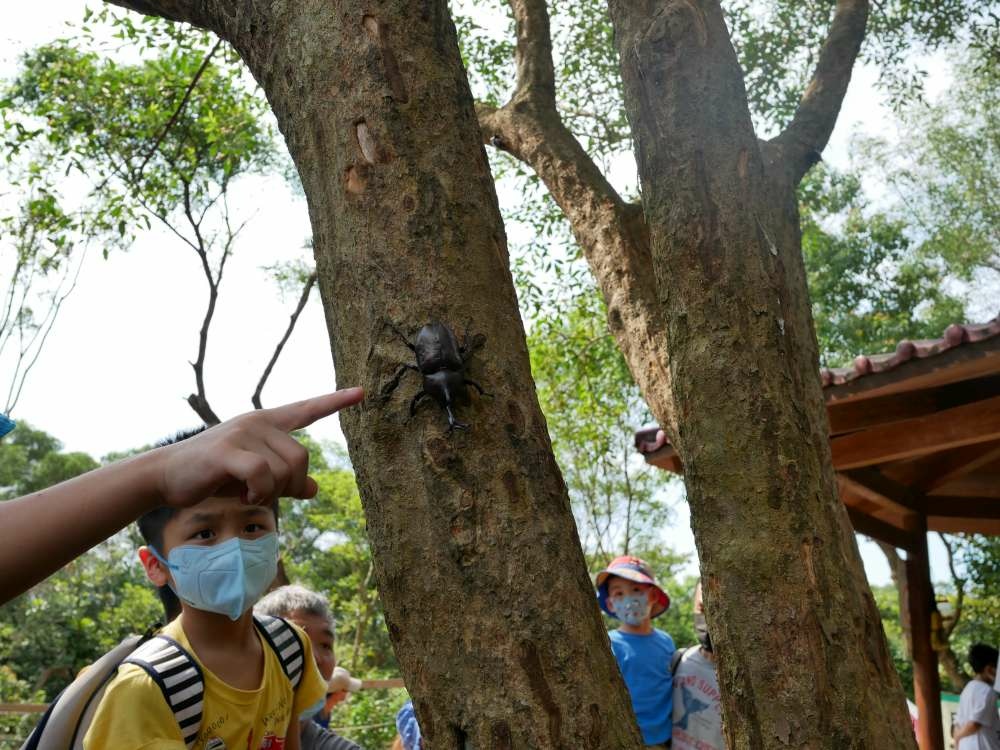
977, 725
408, 737
627, 591
697, 710
310, 611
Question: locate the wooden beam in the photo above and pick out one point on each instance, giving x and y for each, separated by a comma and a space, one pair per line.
863, 413
874, 486
963, 507
391, 683
859, 414
881, 530
926, 682
665, 458
957, 464
964, 425
952, 525
979, 484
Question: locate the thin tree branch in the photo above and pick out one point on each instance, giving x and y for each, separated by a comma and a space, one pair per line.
180, 107
199, 401
807, 134
958, 582
303, 298
47, 325
5, 323
897, 568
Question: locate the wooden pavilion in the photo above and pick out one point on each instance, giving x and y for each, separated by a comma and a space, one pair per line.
915, 439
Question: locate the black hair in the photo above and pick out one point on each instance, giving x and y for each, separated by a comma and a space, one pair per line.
151, 526
982, 656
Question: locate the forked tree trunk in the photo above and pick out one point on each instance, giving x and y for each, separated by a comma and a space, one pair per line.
803, 659
483, 581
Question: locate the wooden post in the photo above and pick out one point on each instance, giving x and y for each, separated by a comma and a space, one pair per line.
926, 683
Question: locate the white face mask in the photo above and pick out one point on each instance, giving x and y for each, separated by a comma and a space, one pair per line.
633, 609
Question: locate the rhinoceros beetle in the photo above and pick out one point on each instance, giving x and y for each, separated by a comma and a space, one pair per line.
441, 362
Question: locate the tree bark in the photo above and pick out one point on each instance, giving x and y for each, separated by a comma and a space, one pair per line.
803, 660
471, 532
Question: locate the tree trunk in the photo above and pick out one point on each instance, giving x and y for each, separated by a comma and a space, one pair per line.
897, 569
803, 659
479, 567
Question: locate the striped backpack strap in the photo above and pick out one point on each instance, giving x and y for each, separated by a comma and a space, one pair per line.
283, 639
179, 677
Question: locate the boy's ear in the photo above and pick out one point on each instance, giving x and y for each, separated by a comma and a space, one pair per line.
156, 572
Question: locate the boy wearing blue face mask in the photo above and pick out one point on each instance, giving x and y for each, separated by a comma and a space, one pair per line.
218, 557
627, 591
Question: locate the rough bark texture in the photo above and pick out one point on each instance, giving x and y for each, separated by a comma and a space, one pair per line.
477, 559
803, 659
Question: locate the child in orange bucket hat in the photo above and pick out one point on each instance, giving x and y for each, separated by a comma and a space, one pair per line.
627, 590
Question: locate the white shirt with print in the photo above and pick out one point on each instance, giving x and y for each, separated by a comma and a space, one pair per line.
978, 703
697, 711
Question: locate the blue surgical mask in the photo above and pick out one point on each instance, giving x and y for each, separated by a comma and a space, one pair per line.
314, 709
226, 578
633, 609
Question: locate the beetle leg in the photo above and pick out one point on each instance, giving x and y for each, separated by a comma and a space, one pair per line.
415, 401
478, 387
394, 382
406, 341
468, 348
452, 423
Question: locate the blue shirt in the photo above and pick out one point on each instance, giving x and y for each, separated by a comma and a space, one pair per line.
644, 661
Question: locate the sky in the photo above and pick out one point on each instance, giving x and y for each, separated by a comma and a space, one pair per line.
114, 373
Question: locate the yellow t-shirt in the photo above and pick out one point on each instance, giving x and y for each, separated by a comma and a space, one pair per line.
133, 714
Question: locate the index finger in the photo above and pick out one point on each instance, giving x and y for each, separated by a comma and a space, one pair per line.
301, 414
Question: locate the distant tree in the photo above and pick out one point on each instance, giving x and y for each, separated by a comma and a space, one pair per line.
161, 142
943, 172
871, 287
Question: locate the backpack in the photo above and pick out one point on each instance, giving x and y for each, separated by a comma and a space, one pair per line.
676, 658
173, 669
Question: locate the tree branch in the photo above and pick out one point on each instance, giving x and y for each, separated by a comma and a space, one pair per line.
536, 77
958, 582
199, 401
303, 298
807, 134
187, 11
897, 568
611, 232
59, 297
